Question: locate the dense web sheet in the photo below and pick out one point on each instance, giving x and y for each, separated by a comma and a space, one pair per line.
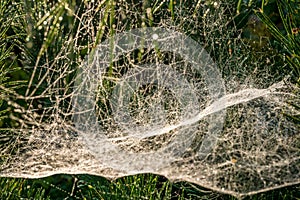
152, 100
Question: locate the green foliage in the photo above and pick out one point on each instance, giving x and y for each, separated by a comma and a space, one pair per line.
144, 186
276, 22
288, 39
12, 77
11, 188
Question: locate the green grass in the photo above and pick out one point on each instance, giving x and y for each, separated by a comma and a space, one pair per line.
144, 186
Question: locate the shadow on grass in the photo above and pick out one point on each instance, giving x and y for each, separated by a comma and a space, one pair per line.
144, 186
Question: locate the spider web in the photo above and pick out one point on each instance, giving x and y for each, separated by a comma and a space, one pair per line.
165, 90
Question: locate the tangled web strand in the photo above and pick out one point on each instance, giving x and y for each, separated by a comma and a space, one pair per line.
151, 100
